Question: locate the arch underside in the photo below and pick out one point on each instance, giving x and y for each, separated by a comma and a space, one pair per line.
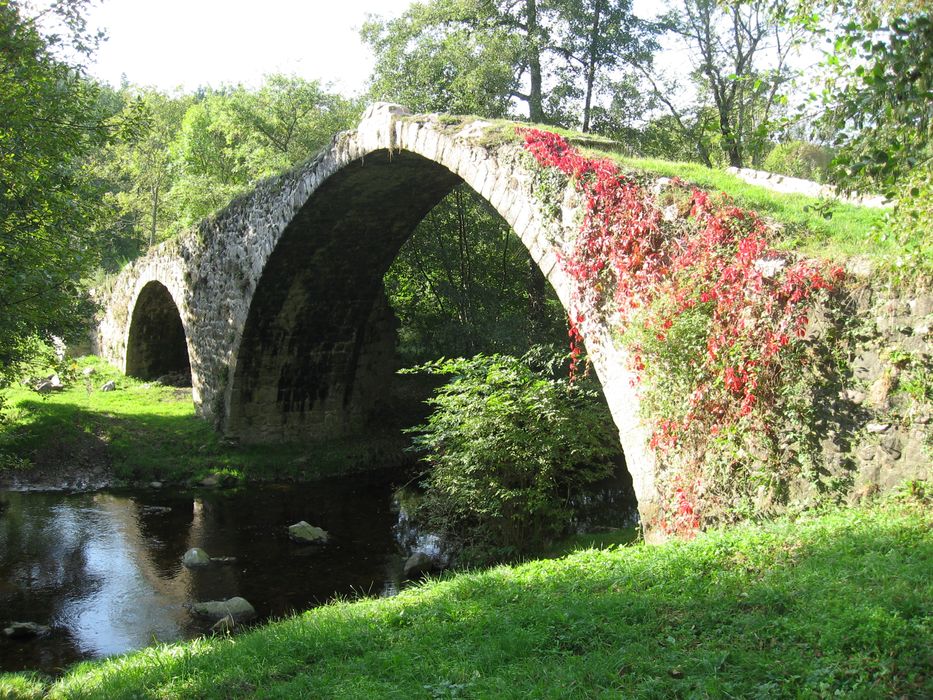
318, 346
156, 345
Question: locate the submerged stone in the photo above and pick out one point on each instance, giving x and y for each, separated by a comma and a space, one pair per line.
195, 558
419, 564
25, 630
236, 608
305, 533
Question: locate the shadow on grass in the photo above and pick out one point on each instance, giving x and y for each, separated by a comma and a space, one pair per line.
832, 605
67, 437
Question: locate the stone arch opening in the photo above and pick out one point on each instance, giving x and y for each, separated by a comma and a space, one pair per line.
156, 345
318, 345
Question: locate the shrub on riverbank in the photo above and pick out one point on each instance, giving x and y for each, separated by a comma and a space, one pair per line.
826, 605
509, 442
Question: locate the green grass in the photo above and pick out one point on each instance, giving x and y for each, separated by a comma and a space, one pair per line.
831, 605
148, 431
851, 231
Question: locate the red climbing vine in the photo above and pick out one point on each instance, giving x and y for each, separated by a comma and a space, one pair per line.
708, 308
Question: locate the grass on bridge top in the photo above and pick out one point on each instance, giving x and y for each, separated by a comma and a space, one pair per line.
829, 605
852, 230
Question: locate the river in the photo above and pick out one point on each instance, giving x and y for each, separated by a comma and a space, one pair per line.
103, 569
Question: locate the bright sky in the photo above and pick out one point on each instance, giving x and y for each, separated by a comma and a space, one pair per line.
190, 43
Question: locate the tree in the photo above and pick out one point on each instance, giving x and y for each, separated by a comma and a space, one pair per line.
140, 171
740, 52
879, 99
478, 56
51, 122
463, 283
598, 36
879, 103
445, 56
286, 121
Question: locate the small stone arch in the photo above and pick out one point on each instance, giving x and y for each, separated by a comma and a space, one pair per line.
156, 344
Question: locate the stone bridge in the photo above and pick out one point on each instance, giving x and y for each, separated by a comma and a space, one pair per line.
276, 303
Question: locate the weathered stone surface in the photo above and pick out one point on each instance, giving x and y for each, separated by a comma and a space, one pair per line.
275, 306
196, 558
419, 564
305, 533
237, 608
223, 560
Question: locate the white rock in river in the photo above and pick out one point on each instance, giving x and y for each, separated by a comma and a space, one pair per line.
306, 533
237, 608
196, 557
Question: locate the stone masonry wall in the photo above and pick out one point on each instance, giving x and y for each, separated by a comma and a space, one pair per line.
884, 434
213, 271
279, 295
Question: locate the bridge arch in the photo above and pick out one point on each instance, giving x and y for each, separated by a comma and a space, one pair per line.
157, 342
280, 294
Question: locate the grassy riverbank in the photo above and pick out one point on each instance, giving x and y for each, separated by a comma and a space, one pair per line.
827, 605
143, 431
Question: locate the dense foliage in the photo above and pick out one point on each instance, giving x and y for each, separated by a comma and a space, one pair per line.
712, 315
507, 444
51, 120
463, 283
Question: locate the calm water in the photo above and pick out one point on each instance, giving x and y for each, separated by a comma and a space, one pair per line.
104, 569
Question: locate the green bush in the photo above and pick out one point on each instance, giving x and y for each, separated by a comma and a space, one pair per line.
799, 159
508, 443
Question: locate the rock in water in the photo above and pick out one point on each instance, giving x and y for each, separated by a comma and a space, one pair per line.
238, 609
195, 558
305, 533
25, 630
224, 625
419, 564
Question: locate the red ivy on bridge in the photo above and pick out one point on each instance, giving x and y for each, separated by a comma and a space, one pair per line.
637, 270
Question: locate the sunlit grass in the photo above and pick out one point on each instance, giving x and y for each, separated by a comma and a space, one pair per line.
849, 231
822, 606
151, 432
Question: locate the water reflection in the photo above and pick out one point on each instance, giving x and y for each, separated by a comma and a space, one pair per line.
104, 569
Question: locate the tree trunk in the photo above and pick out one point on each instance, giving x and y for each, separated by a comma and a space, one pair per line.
591, 67
535, 100
155, 214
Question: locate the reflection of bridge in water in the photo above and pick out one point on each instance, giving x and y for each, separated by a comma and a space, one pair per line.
277, 303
